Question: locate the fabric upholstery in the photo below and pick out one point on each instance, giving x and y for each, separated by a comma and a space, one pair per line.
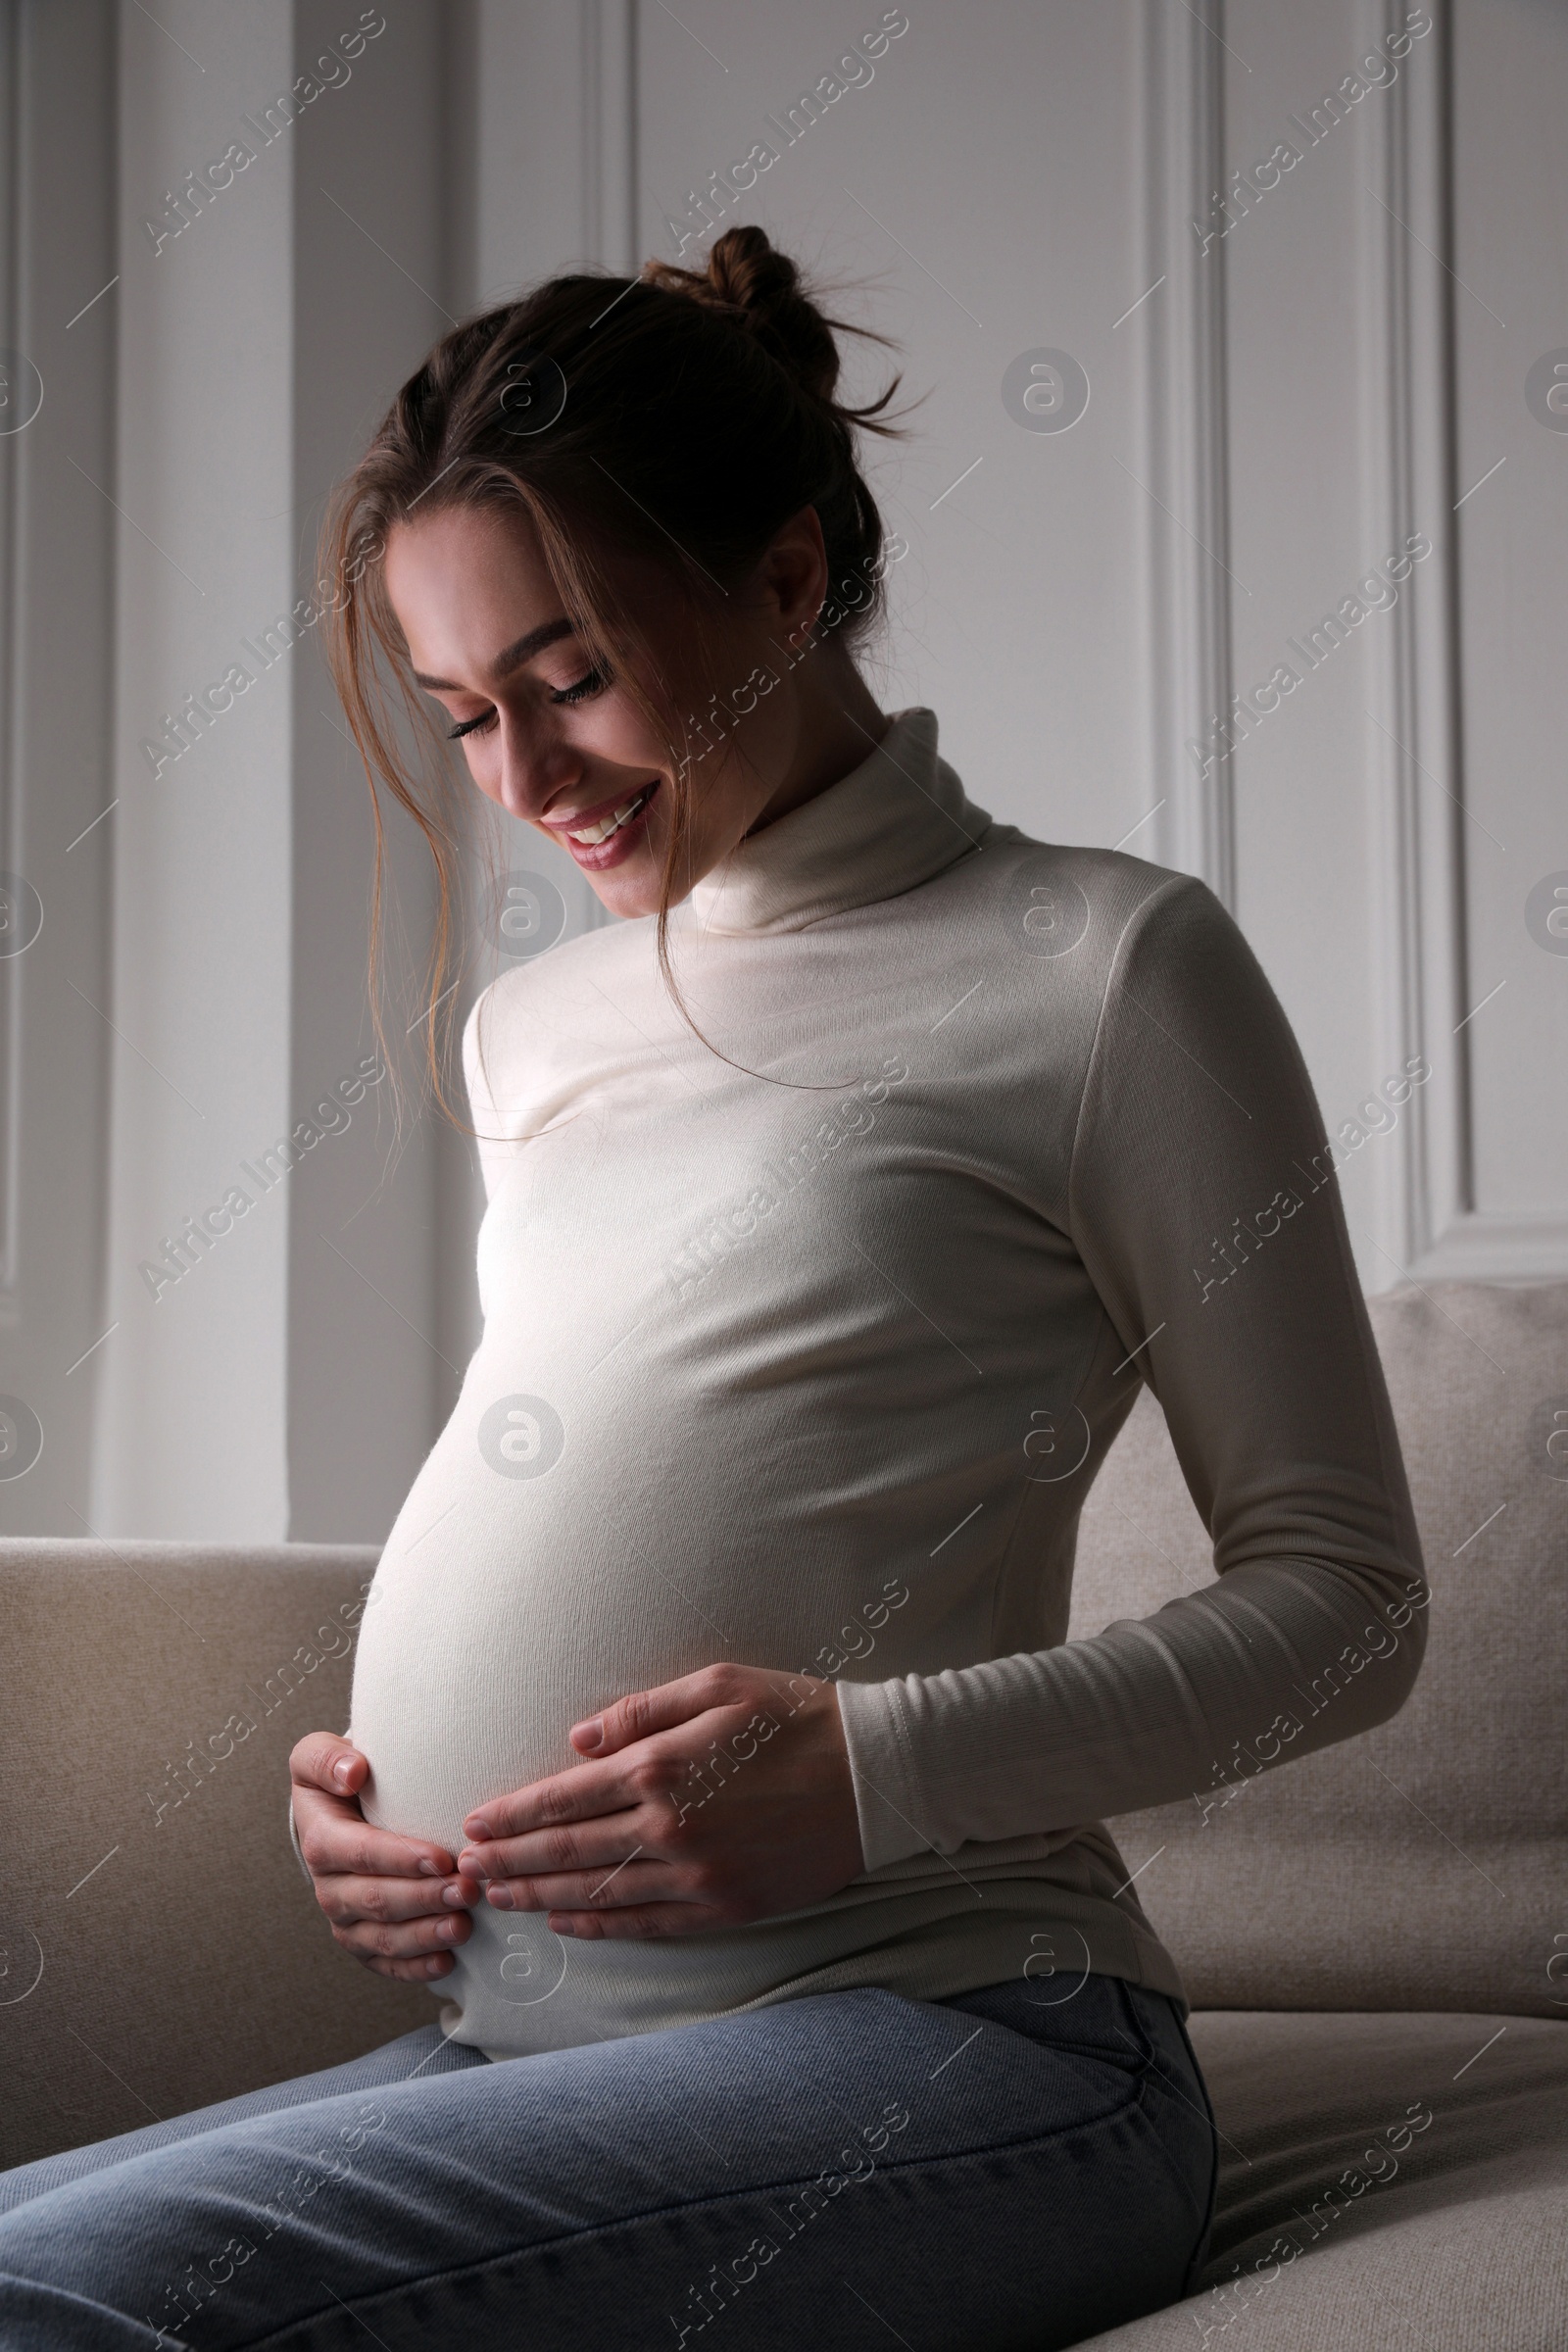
1395, 2180
183, 1958
1419, 1866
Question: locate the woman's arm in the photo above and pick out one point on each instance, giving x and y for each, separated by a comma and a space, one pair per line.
1202, 1201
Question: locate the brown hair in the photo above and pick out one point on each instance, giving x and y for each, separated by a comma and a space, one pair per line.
681, 415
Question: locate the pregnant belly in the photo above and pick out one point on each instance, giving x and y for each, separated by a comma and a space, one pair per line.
739, 1476
490, 1628
509, 1604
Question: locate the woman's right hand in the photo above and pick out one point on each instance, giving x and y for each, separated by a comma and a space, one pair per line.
395, 1903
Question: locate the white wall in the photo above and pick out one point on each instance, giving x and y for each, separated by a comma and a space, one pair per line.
374, 1361
1386, 306
991, 149
194, 1405
1289, 401
291, 1379
1510, 206
1268, 418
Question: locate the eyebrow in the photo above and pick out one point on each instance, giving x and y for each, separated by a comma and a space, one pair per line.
512, 657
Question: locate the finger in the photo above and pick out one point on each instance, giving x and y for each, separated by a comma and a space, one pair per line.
643, 1712
322, 1760
347, 1901
406, 1939
410, 1972
336, 1839
617, 1887
580, 1793
650, 1920
596, 1844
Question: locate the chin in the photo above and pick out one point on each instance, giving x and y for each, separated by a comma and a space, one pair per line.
630, 892
629, 897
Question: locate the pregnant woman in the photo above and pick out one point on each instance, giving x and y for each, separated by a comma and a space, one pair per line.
717, 1755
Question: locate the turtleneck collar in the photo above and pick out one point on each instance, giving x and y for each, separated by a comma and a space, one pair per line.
891, 823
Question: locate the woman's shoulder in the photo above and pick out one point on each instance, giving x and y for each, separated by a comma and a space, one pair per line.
1006, 845
1058, 897
539, 1003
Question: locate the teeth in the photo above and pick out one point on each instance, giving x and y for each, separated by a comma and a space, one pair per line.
592, 835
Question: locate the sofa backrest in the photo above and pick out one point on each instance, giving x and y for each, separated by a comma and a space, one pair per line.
1420, 1866
159, 1945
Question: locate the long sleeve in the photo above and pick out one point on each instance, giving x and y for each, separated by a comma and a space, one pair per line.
1203, 1205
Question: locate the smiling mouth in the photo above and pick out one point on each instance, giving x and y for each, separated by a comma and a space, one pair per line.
593, 836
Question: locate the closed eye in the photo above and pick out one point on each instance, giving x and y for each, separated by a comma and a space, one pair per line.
593, 683
582, 691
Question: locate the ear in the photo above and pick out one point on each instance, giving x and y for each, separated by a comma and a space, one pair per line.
793, 574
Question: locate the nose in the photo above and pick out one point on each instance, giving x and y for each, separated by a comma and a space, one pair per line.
537, 763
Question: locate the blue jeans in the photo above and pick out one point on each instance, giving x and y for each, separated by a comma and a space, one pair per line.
1001, 2169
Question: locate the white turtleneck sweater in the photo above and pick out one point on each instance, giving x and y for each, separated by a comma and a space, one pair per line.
805, 1357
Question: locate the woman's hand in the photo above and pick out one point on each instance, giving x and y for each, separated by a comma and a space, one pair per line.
722, 1797
393, 1902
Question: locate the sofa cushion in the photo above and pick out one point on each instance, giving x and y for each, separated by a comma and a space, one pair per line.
1396, 2180
1419, 1866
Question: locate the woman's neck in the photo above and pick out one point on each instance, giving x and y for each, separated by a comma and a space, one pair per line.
840, 723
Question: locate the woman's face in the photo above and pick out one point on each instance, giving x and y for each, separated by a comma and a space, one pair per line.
560, 745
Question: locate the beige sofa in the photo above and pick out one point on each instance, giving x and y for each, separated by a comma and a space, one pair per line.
1375, 1941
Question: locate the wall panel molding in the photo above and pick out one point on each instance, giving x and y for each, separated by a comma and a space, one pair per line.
1183, 399
58, 307
610, 224
13, 454
1420, 832
1412, 753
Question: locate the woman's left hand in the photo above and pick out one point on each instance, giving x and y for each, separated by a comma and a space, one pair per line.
722, 1797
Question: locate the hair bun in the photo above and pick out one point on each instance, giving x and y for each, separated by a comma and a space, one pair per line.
762, 290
